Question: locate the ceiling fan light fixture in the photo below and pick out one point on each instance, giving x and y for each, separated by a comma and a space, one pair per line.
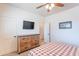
49, 6
52, 5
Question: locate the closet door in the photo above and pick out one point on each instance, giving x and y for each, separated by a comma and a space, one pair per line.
47, 32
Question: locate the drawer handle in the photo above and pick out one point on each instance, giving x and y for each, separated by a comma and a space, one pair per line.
26, 42
26, 47
25, 38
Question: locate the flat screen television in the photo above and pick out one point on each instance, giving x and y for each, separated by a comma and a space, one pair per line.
28, 25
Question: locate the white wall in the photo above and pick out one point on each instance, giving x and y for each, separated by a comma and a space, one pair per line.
46, 31
11, 22
70, 36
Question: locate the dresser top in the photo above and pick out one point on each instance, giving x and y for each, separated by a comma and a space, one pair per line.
26, 35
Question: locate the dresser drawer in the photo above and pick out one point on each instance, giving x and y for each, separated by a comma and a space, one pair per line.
24, 39
24, 43
24, 48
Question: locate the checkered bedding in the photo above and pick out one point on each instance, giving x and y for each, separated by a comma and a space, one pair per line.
55, 49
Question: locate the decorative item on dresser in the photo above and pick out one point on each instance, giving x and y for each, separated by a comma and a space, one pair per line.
26, 42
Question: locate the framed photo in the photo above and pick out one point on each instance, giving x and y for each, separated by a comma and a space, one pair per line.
65, 25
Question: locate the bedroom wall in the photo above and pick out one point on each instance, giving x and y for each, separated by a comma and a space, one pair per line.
42, 22
70, 36
11, 22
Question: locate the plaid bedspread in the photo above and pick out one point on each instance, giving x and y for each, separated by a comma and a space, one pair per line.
55, 49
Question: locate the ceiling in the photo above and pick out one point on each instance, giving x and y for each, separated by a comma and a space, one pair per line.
31, 7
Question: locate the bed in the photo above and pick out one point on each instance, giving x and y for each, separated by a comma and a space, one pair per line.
55, 49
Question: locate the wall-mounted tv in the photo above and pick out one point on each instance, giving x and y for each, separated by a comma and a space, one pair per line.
28, 25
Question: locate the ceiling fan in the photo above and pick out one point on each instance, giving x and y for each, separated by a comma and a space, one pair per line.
49, 6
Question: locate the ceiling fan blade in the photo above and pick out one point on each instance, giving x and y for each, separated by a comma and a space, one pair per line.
59, 4
41, 6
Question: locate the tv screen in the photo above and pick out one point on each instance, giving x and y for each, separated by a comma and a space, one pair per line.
28, 25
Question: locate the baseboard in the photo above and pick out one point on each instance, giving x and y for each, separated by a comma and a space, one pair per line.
9, 53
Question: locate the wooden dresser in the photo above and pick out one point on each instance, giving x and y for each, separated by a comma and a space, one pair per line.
26, 42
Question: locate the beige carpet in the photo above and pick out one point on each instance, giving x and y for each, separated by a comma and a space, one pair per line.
16, 54
22, 54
